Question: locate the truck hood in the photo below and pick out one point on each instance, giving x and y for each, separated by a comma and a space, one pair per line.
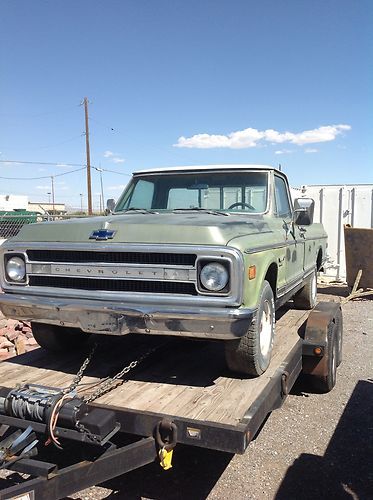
182, 228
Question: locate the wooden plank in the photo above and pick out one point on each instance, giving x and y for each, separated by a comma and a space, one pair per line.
183, 378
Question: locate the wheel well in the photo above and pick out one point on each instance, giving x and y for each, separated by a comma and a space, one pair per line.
319, 260
271, 277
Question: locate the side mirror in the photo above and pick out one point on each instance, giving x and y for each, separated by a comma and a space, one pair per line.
110, 204
303, 211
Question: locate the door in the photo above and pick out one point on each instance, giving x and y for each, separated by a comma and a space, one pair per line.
294, 241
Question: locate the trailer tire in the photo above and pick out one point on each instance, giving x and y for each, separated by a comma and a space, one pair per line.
326, 383
251, 354
306, 298
58, 338
339, 332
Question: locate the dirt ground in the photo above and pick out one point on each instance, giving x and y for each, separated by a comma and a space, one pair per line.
315, 446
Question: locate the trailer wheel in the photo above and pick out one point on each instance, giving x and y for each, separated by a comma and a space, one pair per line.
251, 354
58, 338
327, 382
306, 297
339, 330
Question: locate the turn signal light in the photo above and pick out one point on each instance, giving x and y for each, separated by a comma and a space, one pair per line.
251, 272
317, 351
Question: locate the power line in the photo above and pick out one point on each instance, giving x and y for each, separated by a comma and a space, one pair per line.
52, 145
102, 125
112, 171
61, 164
55, 164
41, 177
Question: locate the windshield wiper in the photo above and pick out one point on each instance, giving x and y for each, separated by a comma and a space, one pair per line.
199, 209
137, 211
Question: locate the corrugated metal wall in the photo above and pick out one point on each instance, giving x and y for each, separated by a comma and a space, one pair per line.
335, 206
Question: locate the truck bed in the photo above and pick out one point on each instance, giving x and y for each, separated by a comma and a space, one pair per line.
186, 380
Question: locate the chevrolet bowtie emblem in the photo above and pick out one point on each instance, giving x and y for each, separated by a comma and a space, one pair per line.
102, 234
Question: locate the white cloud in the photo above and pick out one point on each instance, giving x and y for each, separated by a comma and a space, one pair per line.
43, 188
283, 152
311, 150
117, 187
251, 138
113, 157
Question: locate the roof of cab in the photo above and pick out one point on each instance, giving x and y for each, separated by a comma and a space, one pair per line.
193, 168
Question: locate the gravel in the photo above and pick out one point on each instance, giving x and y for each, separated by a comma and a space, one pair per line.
315, 446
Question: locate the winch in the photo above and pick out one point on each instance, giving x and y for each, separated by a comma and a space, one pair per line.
51, 414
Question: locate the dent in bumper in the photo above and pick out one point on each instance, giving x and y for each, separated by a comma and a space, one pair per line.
121, 319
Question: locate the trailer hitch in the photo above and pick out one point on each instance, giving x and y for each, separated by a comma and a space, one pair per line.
16, 446
166, 438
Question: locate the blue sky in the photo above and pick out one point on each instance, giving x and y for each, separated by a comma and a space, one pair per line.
184, 83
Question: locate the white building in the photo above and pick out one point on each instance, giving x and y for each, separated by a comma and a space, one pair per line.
335, 206
12, 202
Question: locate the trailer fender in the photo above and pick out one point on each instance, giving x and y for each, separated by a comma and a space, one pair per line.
316, 349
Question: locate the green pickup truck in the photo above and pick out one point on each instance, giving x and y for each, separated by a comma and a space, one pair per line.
207, 252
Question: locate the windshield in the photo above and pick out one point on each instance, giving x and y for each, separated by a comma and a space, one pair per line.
226, 191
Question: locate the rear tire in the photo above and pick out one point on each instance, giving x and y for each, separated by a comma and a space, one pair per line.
339, 331
58, 338
251, 354
306, 298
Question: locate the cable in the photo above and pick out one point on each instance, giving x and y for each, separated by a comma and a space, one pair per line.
52, 145
111, 171
55, 164
102, 125
42, 177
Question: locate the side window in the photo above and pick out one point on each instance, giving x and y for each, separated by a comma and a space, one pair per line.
283, 207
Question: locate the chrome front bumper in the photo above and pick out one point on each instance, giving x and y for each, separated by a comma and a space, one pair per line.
120, 319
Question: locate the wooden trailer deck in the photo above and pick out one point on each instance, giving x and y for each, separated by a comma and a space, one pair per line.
182, 378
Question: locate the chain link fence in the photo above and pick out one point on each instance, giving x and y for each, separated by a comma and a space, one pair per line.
12, 222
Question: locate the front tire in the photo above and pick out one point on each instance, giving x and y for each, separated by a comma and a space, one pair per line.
251, 354
58, 338
306, 298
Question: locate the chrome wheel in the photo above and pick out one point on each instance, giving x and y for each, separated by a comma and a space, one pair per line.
266, 330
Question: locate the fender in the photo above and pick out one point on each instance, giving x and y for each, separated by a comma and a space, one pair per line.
316, 336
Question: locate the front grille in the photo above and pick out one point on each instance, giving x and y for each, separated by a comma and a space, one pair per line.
114, 285
81, 256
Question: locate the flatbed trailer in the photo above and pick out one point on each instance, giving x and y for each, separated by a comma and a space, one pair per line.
181, 392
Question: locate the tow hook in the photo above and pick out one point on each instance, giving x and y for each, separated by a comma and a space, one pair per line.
166, 439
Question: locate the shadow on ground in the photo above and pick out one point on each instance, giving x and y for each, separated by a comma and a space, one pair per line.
193, 476
345, 471
337, 290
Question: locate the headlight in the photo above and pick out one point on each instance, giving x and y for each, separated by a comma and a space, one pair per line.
16, 269
214, 276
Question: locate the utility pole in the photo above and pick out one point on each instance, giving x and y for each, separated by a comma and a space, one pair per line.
89, 186
52, 179
102, 187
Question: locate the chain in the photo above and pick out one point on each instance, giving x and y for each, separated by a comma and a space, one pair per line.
78, 377
108, 385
